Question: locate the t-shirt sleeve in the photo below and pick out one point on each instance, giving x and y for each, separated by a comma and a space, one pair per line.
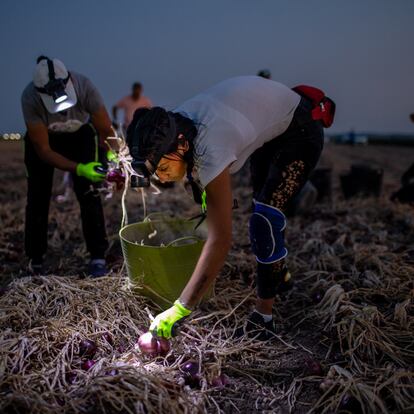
90, 97
32, 110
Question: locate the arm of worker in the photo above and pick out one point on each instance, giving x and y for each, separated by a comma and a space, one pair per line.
102, 123
217, 246
213, 255
39, 136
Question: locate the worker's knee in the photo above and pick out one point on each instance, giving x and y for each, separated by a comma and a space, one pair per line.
266, 228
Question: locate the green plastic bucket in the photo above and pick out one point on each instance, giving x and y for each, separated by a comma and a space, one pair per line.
160, 254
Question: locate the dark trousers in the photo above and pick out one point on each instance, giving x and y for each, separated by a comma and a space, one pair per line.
279, 170
80, 146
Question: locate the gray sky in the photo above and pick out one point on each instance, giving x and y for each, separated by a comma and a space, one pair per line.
361, 52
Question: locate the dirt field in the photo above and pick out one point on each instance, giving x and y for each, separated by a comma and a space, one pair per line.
345, 342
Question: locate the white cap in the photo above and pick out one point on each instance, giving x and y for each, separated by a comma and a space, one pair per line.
41, 78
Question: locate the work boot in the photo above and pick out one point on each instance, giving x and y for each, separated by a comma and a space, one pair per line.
255, 327
97, 268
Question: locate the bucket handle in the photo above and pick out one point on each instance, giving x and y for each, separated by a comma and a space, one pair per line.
157, 215
171, 244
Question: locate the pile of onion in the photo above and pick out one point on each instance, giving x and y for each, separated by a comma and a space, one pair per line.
153, 345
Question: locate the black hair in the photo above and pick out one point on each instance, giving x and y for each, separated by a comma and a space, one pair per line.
152, 127
187, 127
151, 130
137, 85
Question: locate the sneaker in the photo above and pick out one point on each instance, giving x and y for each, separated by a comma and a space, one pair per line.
97, 268
256, 328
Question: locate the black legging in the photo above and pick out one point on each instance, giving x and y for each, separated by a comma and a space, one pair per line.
279, 170
80, 146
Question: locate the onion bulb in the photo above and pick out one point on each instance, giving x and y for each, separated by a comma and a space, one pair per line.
313, 367
88, 364
191, 368
153, 345
108, 338
71, 377
87, 348
220, 382
191, 371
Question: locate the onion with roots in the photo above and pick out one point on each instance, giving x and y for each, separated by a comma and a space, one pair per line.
220, 381
87, 348
153, 345
108, 338
87, 365
313, 367
71, 377
191, 370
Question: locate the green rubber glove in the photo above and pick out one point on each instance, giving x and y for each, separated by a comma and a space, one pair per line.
111, 156
88, 171
163, 323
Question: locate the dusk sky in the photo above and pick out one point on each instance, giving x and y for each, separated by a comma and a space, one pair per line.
361, 52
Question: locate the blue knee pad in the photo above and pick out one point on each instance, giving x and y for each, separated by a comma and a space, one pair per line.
266, 233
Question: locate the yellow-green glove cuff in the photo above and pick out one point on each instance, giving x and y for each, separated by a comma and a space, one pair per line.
163, 323
182, 308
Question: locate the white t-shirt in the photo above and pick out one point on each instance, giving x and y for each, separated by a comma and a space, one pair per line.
234, 118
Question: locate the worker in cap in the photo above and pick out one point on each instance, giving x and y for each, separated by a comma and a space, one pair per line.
67, 124
208, 138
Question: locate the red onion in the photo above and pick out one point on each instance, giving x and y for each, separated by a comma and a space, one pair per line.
88, 364
164, 346
191, 373
108, 338
121, 348
153, 346
313, 367
87, 348
191, 368
112, 372
71, 377
220, 382
117, 177
350, 404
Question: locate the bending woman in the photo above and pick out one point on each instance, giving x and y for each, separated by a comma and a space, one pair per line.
208, 138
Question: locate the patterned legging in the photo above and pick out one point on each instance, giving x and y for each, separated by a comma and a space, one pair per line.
279, 170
